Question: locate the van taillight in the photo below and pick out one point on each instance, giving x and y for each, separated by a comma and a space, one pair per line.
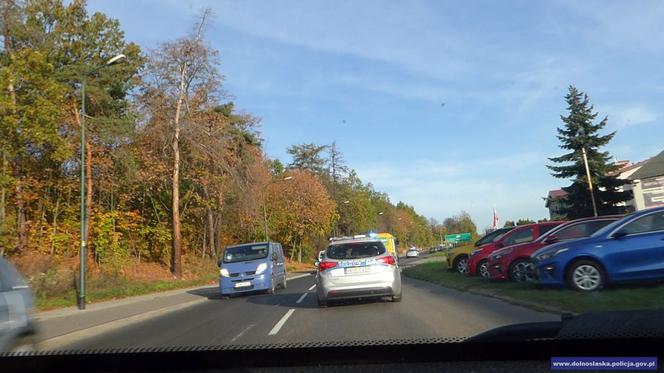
326, 265
388, 260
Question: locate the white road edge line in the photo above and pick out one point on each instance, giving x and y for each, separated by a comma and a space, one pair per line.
281, 322
75, 336
312, 287
302, 298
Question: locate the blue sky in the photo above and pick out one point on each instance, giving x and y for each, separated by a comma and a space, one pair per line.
443, 105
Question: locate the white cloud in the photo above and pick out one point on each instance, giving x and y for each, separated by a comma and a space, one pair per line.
441, 189
631, 116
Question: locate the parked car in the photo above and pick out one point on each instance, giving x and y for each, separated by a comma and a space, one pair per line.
478, 262
357, 268
412, 253
457, 258
628, 249
17, 330
514, 263
258, 266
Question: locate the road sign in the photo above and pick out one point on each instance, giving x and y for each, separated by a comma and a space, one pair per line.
459, 237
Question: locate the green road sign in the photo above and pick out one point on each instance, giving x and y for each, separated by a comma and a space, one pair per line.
459, 237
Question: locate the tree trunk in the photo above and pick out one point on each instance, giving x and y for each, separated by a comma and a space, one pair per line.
210, 231
21, 219
203, 244
177, 244
3, 192
55, 224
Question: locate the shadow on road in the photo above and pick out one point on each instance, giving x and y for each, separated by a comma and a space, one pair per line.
211, 292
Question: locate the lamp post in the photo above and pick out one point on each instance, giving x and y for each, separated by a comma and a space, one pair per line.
84, 218
267, 236
582, 133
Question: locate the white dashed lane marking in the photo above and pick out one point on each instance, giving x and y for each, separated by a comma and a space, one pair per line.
281, 322
302, 298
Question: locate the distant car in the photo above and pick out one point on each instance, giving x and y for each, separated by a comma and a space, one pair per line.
357, 268
629, 249
258, 266
433, 250
17, 330
412, 253
514, 263
478, 262
457, 258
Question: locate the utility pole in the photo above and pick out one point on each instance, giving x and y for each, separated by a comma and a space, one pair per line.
590, 182
84, 218
582, 133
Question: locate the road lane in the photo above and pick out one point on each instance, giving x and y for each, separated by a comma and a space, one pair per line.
215, 322
427, 311
292, 315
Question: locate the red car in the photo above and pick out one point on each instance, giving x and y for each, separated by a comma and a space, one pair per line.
478, 263
514, 263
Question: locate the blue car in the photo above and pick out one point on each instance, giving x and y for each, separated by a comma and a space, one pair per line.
628, 249
250, 267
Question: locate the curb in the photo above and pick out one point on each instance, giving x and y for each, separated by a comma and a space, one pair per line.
486, 293
525, 303
110, 303
63, 340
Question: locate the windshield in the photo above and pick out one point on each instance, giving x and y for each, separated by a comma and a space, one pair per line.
492, 237
308, 171
245, 253
357, 250
610, 227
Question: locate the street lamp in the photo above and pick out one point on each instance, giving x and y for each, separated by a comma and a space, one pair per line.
267, 236
84, 217
582, 133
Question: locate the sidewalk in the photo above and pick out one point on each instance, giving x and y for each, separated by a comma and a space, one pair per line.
55, 326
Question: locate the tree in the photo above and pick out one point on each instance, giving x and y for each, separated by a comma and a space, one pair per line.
578, 132
461, 223
308, 157
299, 210
524, 221
182, 79
509, 223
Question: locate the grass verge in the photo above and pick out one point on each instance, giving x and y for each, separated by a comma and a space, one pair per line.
624, 297
115, 288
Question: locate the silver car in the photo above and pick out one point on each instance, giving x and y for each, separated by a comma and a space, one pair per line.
17, 331
357, 268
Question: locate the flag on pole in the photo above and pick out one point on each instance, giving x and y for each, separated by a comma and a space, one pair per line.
495, 220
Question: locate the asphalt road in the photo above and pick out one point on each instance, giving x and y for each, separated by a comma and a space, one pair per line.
292, 315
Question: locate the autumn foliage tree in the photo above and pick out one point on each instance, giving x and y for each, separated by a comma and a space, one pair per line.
299, 210
175, 171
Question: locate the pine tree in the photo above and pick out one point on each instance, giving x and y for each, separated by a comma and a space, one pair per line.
580, 131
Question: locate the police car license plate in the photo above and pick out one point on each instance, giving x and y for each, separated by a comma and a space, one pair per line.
357, 270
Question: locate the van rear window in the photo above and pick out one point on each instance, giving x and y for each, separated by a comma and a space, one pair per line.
355, 250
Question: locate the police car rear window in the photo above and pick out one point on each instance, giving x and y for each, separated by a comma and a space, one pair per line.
355, 250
